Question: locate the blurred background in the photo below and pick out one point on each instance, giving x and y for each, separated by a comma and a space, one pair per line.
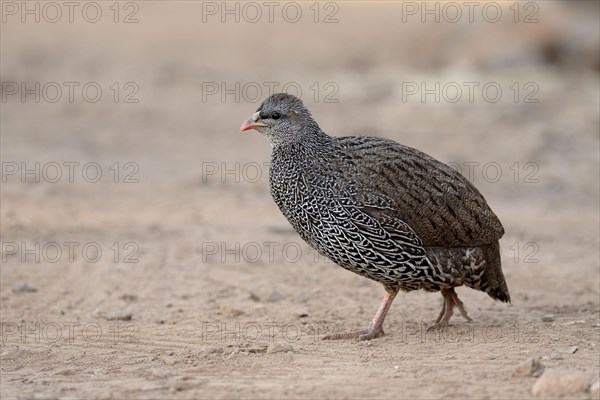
120, 127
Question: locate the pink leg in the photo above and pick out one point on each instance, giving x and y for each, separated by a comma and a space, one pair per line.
461, 307
375, 328
441, 314
451, 300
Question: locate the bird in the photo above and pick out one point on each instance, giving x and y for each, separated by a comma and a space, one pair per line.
382, 210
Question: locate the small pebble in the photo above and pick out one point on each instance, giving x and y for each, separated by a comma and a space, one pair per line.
120, 316
301, 313
183, 385
128, 297
275, 295
572, 350
97, 313
23, 287
530, 367
229, 311
254, 297
548, 318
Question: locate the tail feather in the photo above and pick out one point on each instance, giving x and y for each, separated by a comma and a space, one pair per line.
493, 282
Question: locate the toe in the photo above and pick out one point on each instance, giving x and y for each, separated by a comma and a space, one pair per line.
370, 334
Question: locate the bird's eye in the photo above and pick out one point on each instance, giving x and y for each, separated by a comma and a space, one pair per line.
275, 115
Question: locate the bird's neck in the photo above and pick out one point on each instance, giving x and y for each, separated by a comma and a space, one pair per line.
309, 145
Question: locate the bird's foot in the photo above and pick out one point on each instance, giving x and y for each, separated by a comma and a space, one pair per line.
365, 334
375, 328
451, 300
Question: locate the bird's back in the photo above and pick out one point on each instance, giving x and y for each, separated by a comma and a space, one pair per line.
440, 205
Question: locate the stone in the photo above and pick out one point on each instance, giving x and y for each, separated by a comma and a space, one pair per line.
530, 367
120, 316
560, 383
301, 313
275, 295
229, 311
23, 287
97, 313
595, 390
254, 296
128, 297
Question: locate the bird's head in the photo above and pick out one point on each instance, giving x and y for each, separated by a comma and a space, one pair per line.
282, 118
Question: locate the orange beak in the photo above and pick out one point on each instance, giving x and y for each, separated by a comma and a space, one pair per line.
252, 123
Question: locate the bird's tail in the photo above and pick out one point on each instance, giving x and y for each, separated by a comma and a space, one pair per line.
493, 282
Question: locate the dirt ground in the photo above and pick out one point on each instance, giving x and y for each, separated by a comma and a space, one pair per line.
174, 275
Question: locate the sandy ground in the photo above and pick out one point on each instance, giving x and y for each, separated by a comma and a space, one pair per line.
201, 289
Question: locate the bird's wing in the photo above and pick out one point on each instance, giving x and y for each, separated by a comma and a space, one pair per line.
392, 182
